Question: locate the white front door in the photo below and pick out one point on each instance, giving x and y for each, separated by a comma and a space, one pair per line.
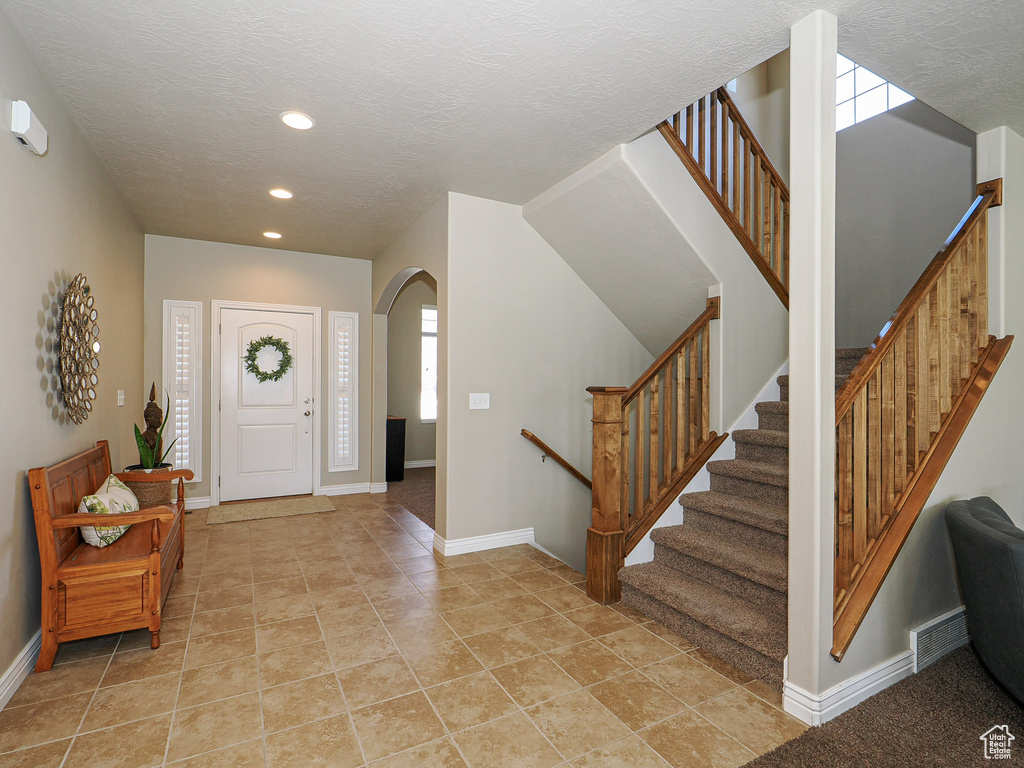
266, 440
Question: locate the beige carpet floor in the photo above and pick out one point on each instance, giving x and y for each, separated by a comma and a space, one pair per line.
934, 719
262, 509
416, 493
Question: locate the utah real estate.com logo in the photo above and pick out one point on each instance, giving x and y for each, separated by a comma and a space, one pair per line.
997, 742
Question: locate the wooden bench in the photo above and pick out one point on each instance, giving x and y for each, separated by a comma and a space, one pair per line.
90, 591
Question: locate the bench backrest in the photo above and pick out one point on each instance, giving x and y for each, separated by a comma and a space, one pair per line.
58, 490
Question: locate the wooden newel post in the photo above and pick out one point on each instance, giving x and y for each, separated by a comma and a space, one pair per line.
606, 535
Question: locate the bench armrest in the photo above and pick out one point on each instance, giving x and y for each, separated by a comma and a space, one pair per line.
108, 521
139, 476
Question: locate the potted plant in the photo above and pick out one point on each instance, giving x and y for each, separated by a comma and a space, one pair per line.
151, 460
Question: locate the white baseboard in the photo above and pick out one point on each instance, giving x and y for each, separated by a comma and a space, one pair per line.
378, 487
451, 547
21, 668
420, 463
815, 709
343, 490
198, 502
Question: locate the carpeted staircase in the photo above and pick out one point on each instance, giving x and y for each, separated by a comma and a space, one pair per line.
719, 579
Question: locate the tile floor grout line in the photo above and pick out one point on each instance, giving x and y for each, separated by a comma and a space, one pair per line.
85, 712
181, 672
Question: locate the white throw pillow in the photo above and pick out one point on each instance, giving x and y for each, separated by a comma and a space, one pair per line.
110, 498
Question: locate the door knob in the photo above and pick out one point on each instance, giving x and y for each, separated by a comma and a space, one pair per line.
307, 413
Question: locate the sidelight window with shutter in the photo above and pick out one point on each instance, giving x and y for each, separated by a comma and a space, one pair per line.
182, 379
344, 409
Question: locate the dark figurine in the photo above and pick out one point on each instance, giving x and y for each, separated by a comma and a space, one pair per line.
154, 417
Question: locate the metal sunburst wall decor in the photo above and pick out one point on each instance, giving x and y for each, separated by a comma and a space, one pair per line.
79, 338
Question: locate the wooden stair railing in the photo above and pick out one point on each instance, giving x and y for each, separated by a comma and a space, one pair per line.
649, 441
726, 160
548, 453
903, 409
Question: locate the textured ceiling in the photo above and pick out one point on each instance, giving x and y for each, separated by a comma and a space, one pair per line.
497, 98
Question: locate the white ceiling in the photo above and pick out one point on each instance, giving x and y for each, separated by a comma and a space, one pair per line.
497, 98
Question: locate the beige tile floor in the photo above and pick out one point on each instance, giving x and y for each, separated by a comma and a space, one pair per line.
339, 640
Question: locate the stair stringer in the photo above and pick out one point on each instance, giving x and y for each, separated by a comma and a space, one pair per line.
644, 551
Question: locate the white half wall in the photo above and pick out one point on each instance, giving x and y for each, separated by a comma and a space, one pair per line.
524, 328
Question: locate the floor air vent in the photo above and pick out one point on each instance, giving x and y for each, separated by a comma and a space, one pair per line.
937, 637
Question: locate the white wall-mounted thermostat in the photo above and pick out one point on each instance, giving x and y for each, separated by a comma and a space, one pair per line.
27, 128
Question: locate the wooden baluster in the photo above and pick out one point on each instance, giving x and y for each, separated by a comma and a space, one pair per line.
844, 501
746, 186
681, 408
736, 167
923, 379
675, 124
910, 382
655, 414
861, 473
705, 393
689, 128
888, 435
724, 149
964, 291
972, 296
666, 429
934, 364
874, 463
694, 399
945, 344
713, 170
606, 535
701, 118
641, 449
766, 218
777, 233
627, 458
784, 274
755, 215
953, 318
983, 281
900, 425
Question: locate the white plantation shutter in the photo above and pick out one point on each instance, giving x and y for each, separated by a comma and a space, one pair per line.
183, 342
344, 411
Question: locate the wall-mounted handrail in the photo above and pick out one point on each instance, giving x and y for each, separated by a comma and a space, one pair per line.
729, 164
904, 407
548, 452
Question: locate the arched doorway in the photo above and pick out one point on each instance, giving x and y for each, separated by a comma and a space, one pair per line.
407, 397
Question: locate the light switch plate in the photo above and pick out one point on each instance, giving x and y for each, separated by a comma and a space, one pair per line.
479, 401
120, 398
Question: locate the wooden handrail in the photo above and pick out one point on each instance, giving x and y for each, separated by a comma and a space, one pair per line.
990, 195
649, 441
729, 164
901, 412
549, 452
712, 311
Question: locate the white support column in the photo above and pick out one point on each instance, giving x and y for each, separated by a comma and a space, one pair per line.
812, 184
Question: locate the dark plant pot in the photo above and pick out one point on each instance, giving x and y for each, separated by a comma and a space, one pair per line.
154, 493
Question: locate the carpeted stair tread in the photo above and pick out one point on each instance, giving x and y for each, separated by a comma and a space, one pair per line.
759, 565
743, 621
773, 415
773, 437
759, 514
767, 474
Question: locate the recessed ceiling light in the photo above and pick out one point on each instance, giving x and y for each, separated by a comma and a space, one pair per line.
297, 120
281, 194
272, 235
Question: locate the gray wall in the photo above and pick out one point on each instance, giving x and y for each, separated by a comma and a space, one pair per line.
404, 353
525, 328
60, 215
903, 180
196, 270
